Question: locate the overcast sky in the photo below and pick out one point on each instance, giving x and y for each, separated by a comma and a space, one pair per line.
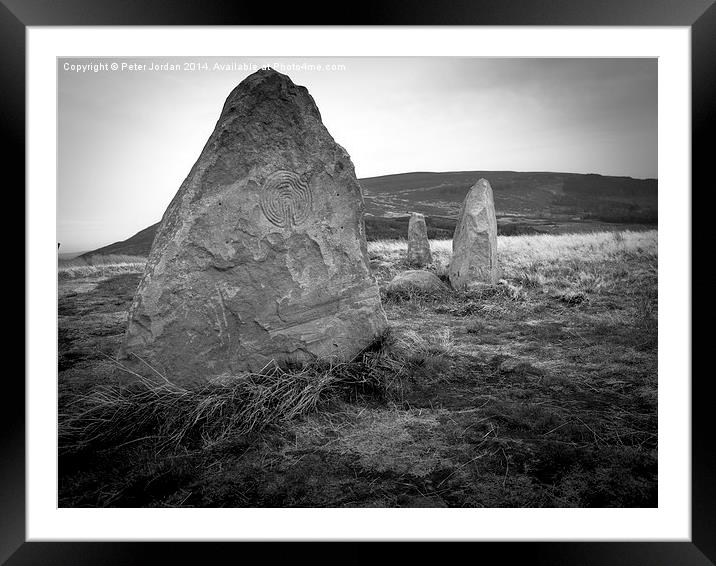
127, 139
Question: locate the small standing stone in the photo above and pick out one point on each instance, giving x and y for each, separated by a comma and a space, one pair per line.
418, 244
474, 244
416, 278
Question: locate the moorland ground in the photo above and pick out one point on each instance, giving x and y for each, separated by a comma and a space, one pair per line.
539, 391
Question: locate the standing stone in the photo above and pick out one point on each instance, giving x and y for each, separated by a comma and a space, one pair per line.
416, 278
261, 255
418, 244
474, 244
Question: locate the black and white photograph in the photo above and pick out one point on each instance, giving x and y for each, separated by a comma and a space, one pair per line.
357, 282
388, 273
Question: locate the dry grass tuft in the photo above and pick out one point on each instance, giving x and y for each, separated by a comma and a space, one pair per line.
100, 266
412, 344
173, 416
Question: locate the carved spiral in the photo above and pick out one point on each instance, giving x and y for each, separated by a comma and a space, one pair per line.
286, 199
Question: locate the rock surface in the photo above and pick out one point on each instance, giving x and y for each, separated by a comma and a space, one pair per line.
261, 255
418, 278
474, 244
418, 243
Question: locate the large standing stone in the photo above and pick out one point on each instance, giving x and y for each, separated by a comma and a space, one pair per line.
474, 244
261, 254
418, 244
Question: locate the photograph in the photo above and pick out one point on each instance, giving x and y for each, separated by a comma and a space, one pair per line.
380, 277
357, 282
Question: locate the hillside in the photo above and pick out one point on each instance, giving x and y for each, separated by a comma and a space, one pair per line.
540, 195
526, 203
139, 244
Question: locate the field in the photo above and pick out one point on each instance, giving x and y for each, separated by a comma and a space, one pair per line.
538, 392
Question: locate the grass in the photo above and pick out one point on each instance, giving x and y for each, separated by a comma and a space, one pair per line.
99, 266
538, 391
517, 253
174, 416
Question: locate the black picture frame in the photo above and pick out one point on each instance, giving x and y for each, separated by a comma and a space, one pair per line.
699, 15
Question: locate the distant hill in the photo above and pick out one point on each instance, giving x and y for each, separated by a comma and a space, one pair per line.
139, 244
540, 195
524, 202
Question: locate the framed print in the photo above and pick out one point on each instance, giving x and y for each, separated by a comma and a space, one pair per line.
398, 278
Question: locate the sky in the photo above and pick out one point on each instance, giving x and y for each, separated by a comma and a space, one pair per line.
127, 138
